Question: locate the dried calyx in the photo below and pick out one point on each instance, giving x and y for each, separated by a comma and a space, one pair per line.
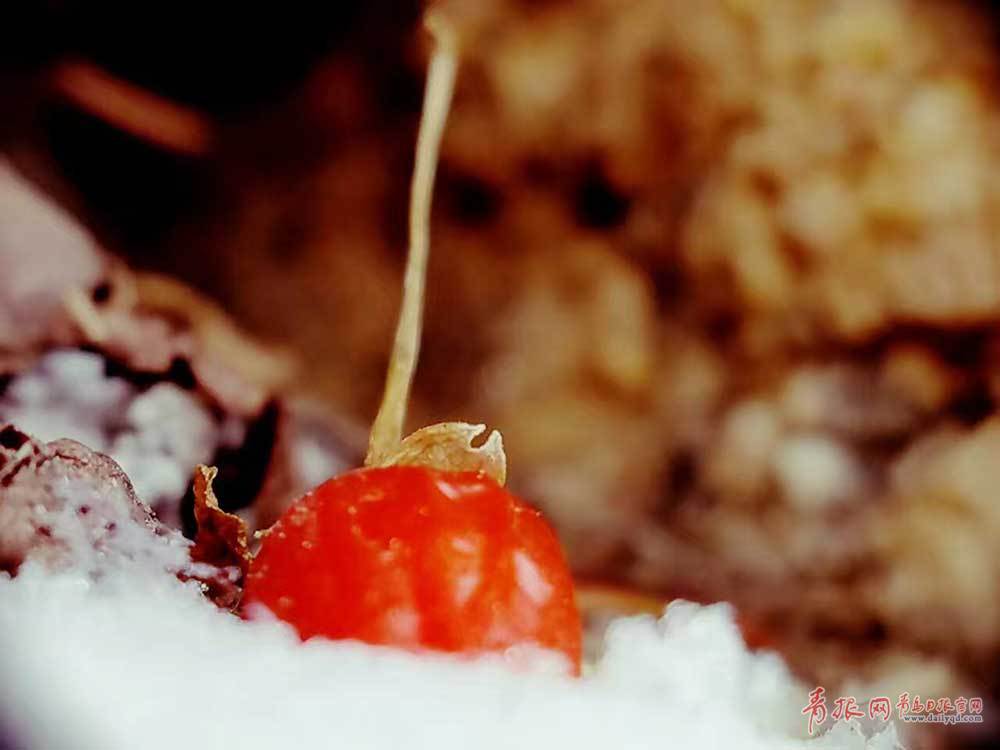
448, 445
221, 539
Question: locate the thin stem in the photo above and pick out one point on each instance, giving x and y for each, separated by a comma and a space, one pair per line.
387, 430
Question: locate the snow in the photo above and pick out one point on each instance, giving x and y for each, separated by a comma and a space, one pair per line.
92, 535
135, 658
157, 436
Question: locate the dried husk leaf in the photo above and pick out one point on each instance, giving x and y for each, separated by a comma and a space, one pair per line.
221, 539
152, 321
266, 366
447, 446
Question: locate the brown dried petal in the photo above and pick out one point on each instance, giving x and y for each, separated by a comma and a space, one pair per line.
154, 321
224, 356
221, 539
447, 446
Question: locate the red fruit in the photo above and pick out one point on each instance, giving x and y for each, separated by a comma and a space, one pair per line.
418, 558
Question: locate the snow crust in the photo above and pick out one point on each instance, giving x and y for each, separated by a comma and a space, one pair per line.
137, 659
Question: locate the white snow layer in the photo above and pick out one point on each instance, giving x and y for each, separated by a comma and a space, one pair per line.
157, 436
136, 659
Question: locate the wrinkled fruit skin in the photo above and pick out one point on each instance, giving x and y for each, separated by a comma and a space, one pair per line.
419, 559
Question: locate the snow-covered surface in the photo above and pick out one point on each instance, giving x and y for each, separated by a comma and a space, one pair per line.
136, 659
157, 436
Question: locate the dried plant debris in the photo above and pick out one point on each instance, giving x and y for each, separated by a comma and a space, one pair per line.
143, 369
158, 326
134, 365
221, 538
157, 323
60, 289
448, 447
63, 505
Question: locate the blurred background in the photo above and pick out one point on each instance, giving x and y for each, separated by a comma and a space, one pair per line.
726, 275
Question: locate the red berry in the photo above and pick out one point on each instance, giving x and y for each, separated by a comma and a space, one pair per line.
418, 558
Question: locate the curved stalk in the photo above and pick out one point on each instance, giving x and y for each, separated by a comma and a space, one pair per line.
387, 430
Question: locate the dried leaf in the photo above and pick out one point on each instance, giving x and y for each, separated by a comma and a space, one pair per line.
221, 539
215, 334
448, 447
152, 322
